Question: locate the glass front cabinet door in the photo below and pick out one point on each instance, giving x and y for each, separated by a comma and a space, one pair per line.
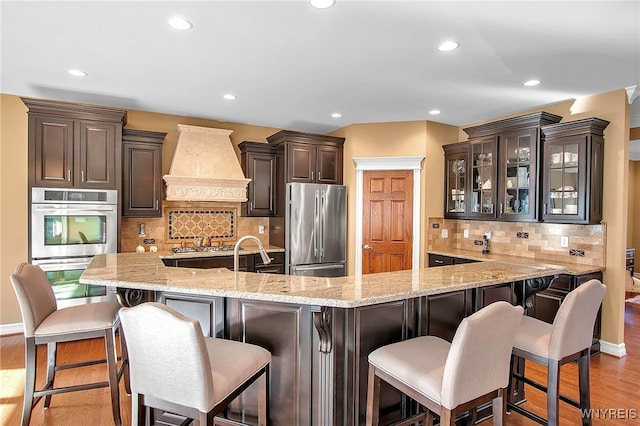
455, 158
483, 177
518, 176
572, 171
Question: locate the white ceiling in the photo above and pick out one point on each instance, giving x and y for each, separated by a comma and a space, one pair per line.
291, 65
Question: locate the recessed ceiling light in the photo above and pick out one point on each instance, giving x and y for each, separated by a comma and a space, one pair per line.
448, 46
179, 23
530, 83
434, 112
229, 96
77, 73
336, 115
322, 4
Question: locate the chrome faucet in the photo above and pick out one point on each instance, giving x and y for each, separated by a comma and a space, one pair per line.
265, 257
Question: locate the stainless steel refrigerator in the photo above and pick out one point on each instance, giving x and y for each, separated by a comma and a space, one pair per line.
316, 230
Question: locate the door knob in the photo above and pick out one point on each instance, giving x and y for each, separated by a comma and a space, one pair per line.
367, 247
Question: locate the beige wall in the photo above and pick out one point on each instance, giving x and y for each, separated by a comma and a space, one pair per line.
415, 138
13, 200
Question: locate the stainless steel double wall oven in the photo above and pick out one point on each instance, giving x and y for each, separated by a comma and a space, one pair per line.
68, 228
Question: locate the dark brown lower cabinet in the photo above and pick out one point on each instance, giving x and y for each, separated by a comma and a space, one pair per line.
208, 262
246, 263
442, 260
209, 311
444, 312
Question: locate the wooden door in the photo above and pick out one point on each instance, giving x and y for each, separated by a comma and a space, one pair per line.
53, 143
387, 234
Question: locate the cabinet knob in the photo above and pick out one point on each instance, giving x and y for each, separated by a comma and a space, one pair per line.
82, 176
318, 175
312, 175
156, 204
69, 175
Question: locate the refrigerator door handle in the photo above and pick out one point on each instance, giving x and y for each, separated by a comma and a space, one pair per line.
316, 208
321, 222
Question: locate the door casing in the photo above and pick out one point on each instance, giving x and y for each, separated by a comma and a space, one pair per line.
388, 163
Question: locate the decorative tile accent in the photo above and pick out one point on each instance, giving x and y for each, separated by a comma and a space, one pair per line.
189, 223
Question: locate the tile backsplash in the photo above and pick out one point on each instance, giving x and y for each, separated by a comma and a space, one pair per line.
542, 241
182, 221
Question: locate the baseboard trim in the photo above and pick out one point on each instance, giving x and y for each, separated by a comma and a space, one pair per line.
618, 350
6, 329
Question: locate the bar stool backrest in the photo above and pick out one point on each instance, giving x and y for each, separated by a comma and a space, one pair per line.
35, 296
168, 356
573, 325
480, 353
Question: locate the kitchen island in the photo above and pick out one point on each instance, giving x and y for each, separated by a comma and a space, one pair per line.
320, 330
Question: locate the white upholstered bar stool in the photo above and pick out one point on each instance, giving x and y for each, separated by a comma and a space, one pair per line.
567, 339
44, 323
176, 369
450, 378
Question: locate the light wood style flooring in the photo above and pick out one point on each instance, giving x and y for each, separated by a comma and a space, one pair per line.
615, 385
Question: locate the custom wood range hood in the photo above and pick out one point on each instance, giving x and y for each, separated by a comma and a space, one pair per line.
205, 167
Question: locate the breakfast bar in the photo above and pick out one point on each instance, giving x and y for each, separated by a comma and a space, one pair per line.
321, 330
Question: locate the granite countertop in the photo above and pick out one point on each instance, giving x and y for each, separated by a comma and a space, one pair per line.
147, 272
570, 268
243, 251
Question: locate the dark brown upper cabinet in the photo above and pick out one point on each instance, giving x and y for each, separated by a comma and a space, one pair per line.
309, 158
142, 173
74, 145
572, 171
502, 170
258, 161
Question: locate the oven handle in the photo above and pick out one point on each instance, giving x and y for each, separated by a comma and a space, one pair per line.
73, 208
62, 264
